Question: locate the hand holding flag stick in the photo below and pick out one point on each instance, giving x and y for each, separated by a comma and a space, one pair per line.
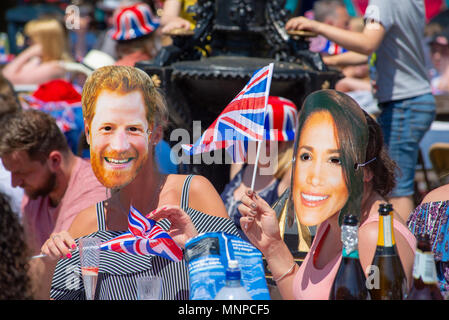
146, 238
267, 91
181, 228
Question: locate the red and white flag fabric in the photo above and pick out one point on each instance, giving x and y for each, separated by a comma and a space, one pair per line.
144, 237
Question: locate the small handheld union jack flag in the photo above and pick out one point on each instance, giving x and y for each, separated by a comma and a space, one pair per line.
241, 121
144, 237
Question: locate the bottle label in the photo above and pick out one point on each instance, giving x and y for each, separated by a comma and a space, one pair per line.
424, 267
386, 237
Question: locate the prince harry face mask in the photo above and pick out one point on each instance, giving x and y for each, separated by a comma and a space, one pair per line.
119, 138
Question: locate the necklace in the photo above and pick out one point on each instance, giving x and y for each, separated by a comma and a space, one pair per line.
156, 192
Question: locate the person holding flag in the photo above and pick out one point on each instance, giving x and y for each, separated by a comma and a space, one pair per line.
274, 168
124, 116
340, 167
247, 121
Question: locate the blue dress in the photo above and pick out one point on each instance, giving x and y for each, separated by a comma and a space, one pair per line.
432, 218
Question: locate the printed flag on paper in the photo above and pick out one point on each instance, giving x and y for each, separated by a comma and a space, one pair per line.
241, 121
144, 237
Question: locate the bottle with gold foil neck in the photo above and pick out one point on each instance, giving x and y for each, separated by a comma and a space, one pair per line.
425, 283
387, 280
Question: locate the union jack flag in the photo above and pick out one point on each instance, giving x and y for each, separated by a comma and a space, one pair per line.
144, 237
134, 21
332, 48
241, 121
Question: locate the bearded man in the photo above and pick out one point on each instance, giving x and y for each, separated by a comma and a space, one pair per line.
57, 184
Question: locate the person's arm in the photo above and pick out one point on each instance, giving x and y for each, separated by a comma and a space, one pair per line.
170, 19
41, 277
438, 194
204, 197
171, 10
261, 226
12, 71
33, 72
365, 42
181, 226
56, 247
349, 58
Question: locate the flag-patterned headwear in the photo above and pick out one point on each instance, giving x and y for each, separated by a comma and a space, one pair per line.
145, 238
134, 21
280, 119
241, 121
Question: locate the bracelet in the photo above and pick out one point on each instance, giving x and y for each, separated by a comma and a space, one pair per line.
285, 274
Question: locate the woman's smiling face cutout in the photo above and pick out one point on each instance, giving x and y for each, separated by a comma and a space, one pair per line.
319, 187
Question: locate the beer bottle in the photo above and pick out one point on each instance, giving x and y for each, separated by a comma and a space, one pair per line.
425, 285
349, 283
387, 273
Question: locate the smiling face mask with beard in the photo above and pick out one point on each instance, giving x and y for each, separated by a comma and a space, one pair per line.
118, 138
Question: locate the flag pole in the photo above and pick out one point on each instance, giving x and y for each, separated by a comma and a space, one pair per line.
270, 75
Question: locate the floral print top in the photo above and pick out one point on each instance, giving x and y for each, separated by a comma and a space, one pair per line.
432, 218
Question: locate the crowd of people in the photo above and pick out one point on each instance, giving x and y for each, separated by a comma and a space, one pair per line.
74, 174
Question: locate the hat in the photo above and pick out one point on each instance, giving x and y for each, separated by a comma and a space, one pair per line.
134, 21
57, 90
94, 59
280, 119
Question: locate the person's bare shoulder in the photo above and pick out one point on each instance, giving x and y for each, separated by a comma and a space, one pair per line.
84, 223
438, 194
202, 195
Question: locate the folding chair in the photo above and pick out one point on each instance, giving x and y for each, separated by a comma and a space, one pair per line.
439, 156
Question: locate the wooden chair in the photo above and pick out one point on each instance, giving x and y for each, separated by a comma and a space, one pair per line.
439, 156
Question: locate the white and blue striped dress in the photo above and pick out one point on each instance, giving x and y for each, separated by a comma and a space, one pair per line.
118, 271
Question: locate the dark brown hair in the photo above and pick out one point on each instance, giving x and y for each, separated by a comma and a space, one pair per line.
383, 168
9, 102
33, 131
14, 280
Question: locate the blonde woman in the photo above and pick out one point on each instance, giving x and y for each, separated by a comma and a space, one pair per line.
274, 166
41, 61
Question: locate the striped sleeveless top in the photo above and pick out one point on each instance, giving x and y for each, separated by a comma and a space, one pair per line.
118, 271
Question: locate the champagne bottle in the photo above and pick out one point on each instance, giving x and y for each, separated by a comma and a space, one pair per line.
425, 285
390, 282
350, 281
